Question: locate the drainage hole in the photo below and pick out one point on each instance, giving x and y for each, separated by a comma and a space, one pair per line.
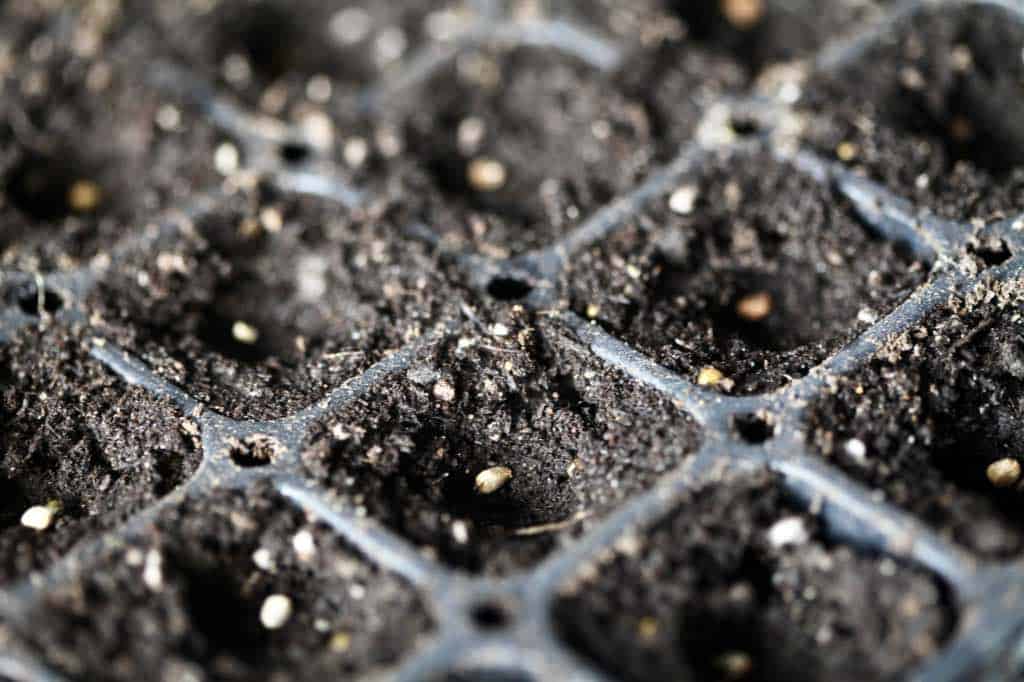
27, 299
490, 615
754, 428
509, 288
294, 153
255, 451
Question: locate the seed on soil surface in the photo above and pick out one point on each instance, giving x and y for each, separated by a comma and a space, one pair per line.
754, 307
276, 610
683, 199
83, 196
743, 14
709, 376
593, 310
486, 175
734, 664
1003, 473
340, 642
490, 480
788, 531
444, 391
355, 151
40, 516
647, 627
244, 332
846, 151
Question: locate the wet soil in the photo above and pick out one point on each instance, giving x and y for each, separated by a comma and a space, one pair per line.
577, 438
709, 593
680, 284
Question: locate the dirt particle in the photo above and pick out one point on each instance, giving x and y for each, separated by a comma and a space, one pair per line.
84, 196
275, 612
486, 175
754, 307
1003, 473
490, 480
444, 391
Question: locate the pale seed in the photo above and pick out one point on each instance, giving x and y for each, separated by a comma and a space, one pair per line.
754, 307
743, 14
83, 196
275, 612
244, 332
490, 480
486, 175
1003, 473
709, 376
38, 517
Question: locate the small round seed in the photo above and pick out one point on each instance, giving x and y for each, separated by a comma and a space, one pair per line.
743, 14
275, 612
754, 307
244, 332
490, 480
38, 517
486, 175
84, 196
709, 376
1003, 473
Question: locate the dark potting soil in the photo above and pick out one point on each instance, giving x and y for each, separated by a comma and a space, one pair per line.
933, 411
576, 437
713, 593
185, 600
72, 435
934, 110
259, 302
679, 285
266, 302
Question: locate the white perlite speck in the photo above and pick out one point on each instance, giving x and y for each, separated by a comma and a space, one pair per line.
263, 559
304, 545
788, 531
153, 571
38, 517
683, 199
226, 158
856, 449
276, 610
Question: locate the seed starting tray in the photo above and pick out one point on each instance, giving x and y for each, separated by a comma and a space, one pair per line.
502, 627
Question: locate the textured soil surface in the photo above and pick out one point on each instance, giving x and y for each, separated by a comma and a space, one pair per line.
932, 423
74, 436
185, 601
677, 284
268, 204
934, 110
710, 593
576, 437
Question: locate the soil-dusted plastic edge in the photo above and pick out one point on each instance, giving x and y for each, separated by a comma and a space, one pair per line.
986, 643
